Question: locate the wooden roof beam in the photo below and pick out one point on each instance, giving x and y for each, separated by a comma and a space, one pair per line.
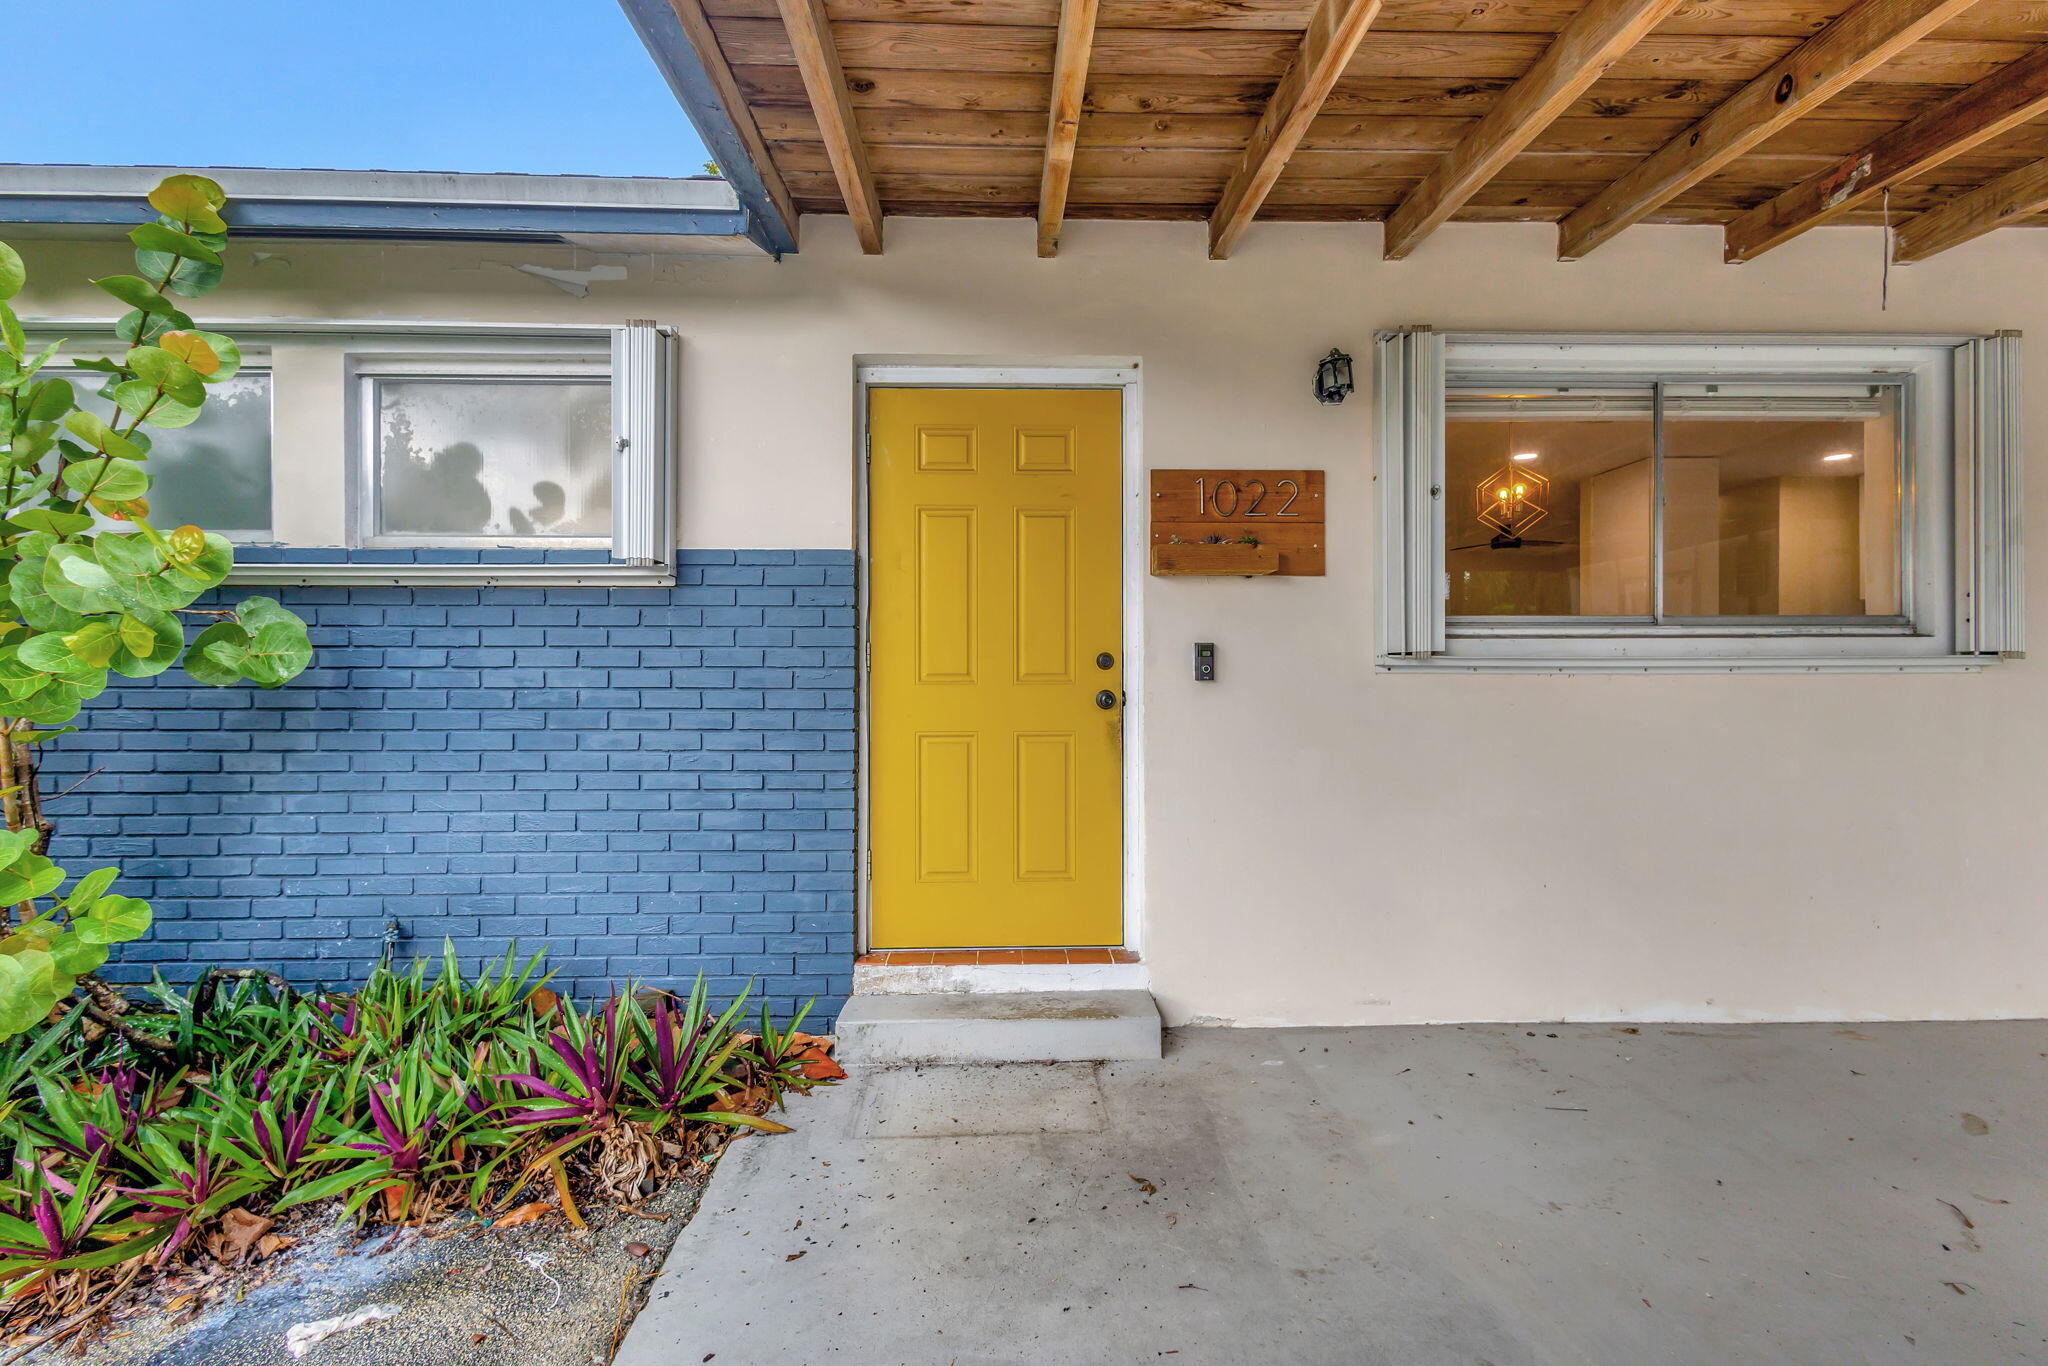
2012, 198
1332, 36
1063, 127
817, 60
2010, 96
1580, 55
1823, 66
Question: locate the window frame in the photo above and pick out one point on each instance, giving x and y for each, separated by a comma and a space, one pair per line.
316, 441
1912, 529
255, 361
1958, 502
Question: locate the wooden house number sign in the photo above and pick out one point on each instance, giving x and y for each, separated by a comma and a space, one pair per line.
1206, 522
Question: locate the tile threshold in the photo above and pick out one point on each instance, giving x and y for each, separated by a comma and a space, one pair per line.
922, 958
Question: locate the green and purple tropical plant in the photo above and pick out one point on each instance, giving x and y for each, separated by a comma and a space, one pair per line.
416, 1095
198, 1175
50, 1223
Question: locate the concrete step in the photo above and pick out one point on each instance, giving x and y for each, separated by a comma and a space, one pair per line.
1011, 1026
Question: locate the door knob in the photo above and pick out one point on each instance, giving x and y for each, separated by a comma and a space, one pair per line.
1105, 699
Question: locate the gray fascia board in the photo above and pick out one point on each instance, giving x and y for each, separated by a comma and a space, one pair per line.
673, 53
304, 218
390, 203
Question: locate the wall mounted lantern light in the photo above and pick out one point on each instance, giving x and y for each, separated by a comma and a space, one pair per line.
1333, 377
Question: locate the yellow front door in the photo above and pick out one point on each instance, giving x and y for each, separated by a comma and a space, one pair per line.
996, 673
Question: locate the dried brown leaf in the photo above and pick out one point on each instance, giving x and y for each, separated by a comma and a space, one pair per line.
239, 1232
525, 1214
816, 1066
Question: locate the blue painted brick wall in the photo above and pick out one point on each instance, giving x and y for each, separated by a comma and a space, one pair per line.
649, 782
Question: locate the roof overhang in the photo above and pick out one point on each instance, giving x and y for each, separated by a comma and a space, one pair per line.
690, 61
603, 213
1767, 120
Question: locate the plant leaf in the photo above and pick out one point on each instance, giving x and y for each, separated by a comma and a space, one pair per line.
88, 427
135, 292
106, 477
90, 888
158, 407
25, 585
150, 642
190, 199
11, 335
114, 920
160, 238
193, 349
199, 662
51, 400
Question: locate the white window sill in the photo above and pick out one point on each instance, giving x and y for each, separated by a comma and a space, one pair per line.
1787, 664
455, 575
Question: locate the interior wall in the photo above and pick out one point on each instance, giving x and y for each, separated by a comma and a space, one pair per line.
1817, 559
1614, 542
1329, 844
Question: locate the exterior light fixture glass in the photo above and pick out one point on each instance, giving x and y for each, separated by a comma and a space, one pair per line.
1333, 377
1525, 455
1840, 455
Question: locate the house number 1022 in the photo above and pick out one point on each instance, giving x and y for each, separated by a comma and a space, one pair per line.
1226, 499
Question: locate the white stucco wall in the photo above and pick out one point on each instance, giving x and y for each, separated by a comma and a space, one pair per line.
1329, 844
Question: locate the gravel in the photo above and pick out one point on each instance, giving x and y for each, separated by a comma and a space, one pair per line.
534, 1295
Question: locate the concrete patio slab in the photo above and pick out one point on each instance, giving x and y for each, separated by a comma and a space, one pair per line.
1543, 1194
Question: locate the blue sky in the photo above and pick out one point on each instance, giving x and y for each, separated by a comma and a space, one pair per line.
543, 86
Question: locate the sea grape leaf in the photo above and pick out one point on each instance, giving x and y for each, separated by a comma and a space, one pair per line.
161, 238
114, 920
199, 662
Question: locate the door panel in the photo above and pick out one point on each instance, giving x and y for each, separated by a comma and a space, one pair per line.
996, 581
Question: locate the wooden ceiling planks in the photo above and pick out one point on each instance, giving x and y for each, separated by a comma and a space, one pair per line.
1995, 19
2007, 99
954, 101
1864, 40
1602, 33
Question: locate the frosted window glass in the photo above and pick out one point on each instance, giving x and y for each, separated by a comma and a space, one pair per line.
494, 458
214, 473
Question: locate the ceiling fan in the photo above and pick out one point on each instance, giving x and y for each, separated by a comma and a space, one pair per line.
1502, 541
